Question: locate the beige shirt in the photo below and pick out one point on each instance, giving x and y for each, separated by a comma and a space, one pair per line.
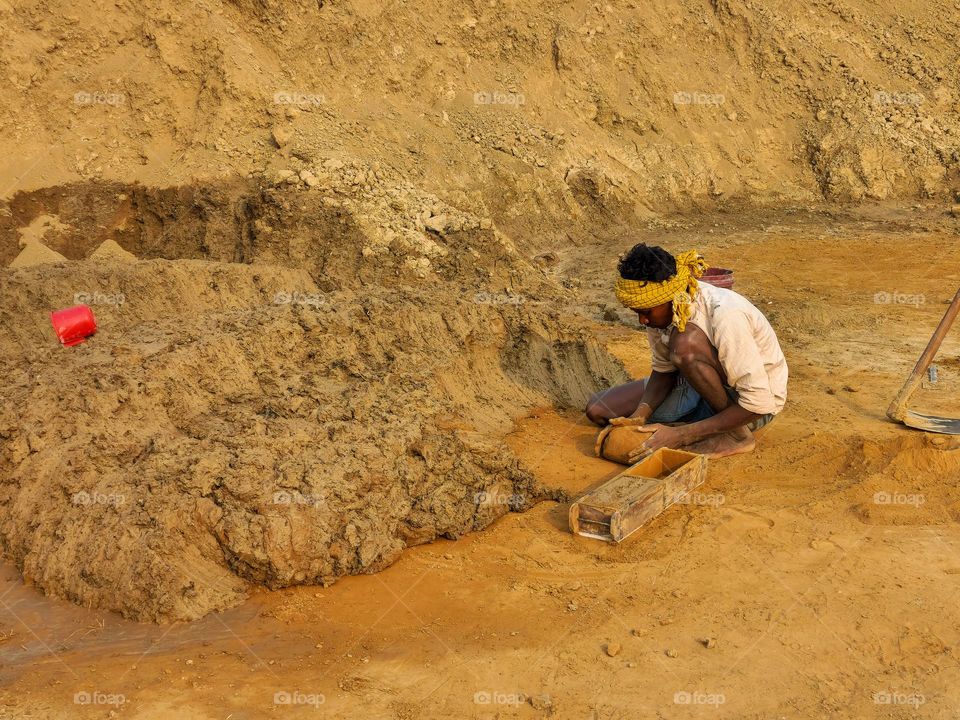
749, 351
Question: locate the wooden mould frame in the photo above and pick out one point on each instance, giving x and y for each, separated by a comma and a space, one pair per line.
623, 504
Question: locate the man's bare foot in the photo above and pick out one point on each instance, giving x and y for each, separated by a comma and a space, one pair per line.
724, 444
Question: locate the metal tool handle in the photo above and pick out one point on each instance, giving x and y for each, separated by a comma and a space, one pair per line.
898, 406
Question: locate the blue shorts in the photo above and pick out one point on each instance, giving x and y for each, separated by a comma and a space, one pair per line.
684, 405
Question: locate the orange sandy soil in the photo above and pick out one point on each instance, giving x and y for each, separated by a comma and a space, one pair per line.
816, 600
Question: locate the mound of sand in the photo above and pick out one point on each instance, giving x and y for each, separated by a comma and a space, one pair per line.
237, 423
110, 251
35, 252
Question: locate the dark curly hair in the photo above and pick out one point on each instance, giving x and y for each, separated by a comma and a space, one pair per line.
642, 262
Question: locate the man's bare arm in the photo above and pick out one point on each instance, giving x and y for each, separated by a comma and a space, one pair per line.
655, 392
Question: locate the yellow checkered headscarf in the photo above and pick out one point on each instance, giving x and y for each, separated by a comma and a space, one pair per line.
681, 289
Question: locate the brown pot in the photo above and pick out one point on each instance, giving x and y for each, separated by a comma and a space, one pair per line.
620, 441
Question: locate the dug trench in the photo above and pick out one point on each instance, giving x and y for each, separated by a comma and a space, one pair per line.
276, 395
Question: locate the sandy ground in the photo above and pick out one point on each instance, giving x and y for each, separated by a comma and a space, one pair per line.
814, 578
452, 182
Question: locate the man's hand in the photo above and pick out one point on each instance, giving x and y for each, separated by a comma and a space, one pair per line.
639, 417
625, 421
598, 445
663, 436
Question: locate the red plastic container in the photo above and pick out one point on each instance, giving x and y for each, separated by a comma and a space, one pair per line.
74, 324
719, 277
